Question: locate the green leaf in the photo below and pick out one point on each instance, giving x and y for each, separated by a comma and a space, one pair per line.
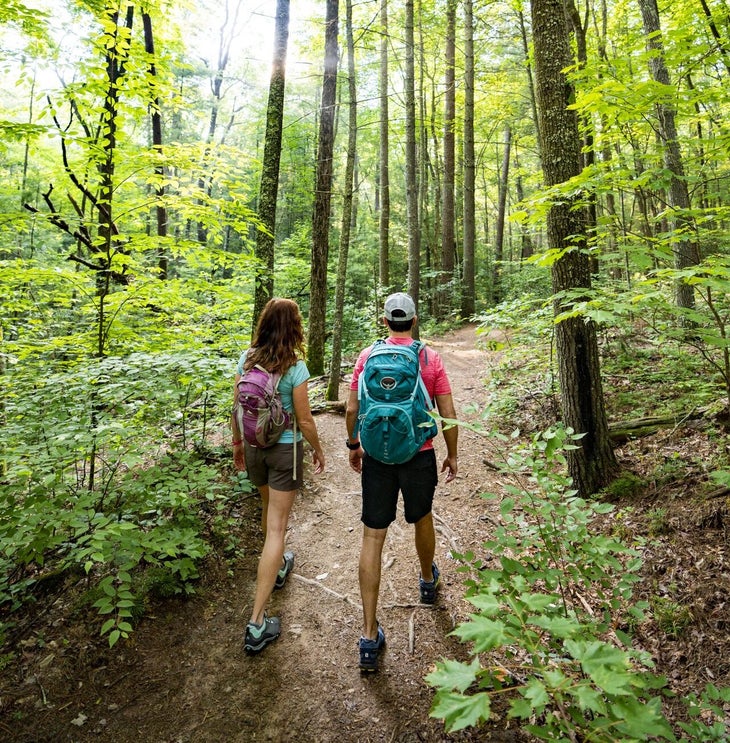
459, 711
452, 674
486, 603
486, 634
641, 720
561, 627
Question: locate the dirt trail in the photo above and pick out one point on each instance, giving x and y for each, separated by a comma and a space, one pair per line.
183, 677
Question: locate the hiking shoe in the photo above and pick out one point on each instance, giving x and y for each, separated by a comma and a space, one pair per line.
428, 588
258, 636
284, 572
369, 650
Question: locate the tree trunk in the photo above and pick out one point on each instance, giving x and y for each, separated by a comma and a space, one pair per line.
501, 216
414, 233
269, 186
685, 248
160, 210
468, 291
323, 195
333, 386
384, 219
448, 211
588, 155
593, 464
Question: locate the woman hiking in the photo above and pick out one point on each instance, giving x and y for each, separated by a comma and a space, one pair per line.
276, 471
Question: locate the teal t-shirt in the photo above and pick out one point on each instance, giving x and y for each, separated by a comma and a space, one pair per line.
293, 377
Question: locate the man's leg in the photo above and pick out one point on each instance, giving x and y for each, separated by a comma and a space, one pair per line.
425, 545
369, 574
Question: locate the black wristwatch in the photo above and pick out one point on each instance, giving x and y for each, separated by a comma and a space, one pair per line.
352, 447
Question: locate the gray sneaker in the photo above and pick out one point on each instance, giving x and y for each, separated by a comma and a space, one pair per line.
258, 636
284, 571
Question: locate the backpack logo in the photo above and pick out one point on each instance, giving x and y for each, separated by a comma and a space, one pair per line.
393, 417
388, 383
259, 412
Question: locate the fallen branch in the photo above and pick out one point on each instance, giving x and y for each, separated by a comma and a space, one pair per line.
623, 431
443, 529
412, 632
336, 406
311, 582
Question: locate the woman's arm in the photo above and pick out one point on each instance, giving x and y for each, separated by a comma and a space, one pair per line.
239, 460
305, 421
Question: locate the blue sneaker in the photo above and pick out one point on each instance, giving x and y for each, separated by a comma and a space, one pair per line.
258, 636
369, 650
284, 572
428, 588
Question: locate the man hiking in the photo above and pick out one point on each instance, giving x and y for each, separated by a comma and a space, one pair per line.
379, 436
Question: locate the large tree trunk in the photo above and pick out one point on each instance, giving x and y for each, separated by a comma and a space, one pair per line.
269, 187
685, 248
323, 194
468, 291
333, 386
448, 212
156, 115
593, 464
501, 217
384, 219
414, 233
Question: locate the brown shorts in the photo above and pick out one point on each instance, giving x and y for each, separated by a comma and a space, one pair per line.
274, 466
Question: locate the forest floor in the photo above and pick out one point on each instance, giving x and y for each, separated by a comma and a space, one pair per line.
183, 677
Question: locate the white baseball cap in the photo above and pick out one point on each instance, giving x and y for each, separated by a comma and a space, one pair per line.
399, 307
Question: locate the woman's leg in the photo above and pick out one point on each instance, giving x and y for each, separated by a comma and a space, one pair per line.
277, 517
264, 493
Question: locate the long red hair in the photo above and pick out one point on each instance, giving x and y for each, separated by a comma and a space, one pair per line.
279, 338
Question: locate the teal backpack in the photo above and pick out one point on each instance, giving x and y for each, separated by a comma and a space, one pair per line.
393, 418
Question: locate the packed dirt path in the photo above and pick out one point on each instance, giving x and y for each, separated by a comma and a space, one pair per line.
183, 676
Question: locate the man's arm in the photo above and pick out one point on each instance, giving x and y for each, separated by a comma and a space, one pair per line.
445, 405
353, 407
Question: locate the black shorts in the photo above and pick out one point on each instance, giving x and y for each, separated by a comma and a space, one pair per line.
416, 479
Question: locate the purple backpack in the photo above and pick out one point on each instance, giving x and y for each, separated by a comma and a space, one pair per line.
259, 413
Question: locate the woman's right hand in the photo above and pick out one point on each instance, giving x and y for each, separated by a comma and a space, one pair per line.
239, 458
318, 461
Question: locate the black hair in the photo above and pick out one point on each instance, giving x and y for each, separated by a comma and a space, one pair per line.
400, 326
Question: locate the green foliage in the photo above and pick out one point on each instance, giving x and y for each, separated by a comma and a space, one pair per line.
671, 616
550, 593
520, 331
626, 485
98, 475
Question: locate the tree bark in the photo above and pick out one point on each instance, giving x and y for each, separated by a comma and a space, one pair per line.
269, 186
156, 116
468, 291
384, 217
333, 386
414, 233
323, 194
592, 465
448, 211
685, 249
501, 217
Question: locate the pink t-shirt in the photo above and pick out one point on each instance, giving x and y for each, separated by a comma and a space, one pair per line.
432, 371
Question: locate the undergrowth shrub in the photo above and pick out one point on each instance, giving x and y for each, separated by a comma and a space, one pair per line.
549, 634
103, 478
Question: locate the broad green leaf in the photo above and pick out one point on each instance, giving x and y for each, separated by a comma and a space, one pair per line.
459, 711
486, 634
451, 674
